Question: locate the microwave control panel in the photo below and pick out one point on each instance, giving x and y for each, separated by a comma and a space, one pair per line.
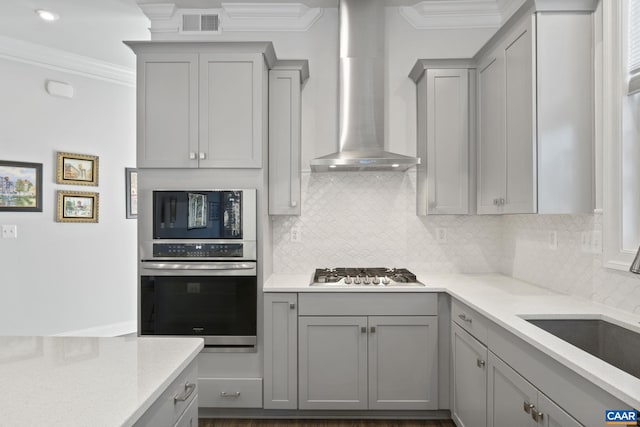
197, 250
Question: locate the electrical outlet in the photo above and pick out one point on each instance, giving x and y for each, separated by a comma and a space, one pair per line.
441, 235
295, 235
9, 231
596, 242
552, 241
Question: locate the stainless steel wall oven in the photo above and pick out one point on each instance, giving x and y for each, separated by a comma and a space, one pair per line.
198, 270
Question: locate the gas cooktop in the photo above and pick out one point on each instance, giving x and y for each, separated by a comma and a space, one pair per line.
364, 277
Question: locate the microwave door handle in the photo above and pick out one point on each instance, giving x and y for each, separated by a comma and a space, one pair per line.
177, 266
172, 210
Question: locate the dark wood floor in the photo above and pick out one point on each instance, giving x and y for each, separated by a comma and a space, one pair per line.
323, 423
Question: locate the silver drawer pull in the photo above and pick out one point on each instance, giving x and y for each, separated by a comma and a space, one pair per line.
232, 395
465, 318
188, 391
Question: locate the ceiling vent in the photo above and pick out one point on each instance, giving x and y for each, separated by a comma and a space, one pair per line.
200, 23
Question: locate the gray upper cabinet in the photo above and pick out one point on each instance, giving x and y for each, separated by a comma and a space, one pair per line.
202, 104
535, 112
445, 111
285, 85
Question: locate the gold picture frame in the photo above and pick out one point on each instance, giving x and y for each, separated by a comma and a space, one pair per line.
77, 206
77, 169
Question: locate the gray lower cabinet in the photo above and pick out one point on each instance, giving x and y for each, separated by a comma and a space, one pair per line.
280, 351
333, 362
403, 362
368, 362
513, 401
469, 357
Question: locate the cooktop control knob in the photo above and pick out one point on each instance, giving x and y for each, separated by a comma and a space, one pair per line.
357, 280
376, 280
347, 280
385, 280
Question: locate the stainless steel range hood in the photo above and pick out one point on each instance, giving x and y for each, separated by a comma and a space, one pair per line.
362, 93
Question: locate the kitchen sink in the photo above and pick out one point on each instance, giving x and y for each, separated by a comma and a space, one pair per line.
608, 342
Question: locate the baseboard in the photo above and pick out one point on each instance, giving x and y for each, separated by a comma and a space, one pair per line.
219, 413
111, 330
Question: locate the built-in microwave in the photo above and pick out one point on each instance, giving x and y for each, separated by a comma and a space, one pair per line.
200, 225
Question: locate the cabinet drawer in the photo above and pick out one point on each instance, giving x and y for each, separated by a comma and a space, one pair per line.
230, 392
174, 401
367, 304
470, 320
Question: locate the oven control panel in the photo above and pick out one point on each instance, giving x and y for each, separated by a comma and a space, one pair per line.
197, 250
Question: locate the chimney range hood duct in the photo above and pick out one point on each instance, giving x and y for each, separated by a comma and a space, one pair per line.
362, 93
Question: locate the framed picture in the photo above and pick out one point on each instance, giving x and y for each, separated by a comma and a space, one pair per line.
77, 169
20, 186
131, 189
76, 206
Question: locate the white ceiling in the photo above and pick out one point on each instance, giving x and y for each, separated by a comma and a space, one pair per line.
92, 28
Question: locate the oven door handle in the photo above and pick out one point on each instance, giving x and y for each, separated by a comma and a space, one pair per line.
199, 266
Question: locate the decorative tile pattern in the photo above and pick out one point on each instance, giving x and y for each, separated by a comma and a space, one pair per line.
368, 219
567, 269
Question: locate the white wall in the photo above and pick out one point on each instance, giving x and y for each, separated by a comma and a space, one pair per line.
59, 277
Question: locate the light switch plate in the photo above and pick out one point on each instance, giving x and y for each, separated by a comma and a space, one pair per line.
9, 231
295, 234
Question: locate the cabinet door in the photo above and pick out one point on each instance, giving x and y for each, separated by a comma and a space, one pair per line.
167, 110
447, 115
553, 415
491, 141
509, 396
190, 416
284, 142
231, 106
403, 362
280, 351
332, 362
469, 379
521, 195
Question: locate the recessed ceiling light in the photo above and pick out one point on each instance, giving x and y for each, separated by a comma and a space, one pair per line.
47, 15
395, 165
332, 166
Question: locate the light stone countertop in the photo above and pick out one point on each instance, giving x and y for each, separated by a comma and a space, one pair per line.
78, 381
505, 300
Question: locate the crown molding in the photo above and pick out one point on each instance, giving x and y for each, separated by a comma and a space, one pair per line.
61, 60
268, 16
452, 14
161, 17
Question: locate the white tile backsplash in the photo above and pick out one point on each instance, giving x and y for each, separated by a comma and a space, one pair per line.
368, 219
568, 269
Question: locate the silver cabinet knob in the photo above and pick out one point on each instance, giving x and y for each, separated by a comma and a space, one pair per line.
363, 329
203, 156
192, 156
528, 407
292, 306
294, 204
537, 416
481, 363
373, 329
